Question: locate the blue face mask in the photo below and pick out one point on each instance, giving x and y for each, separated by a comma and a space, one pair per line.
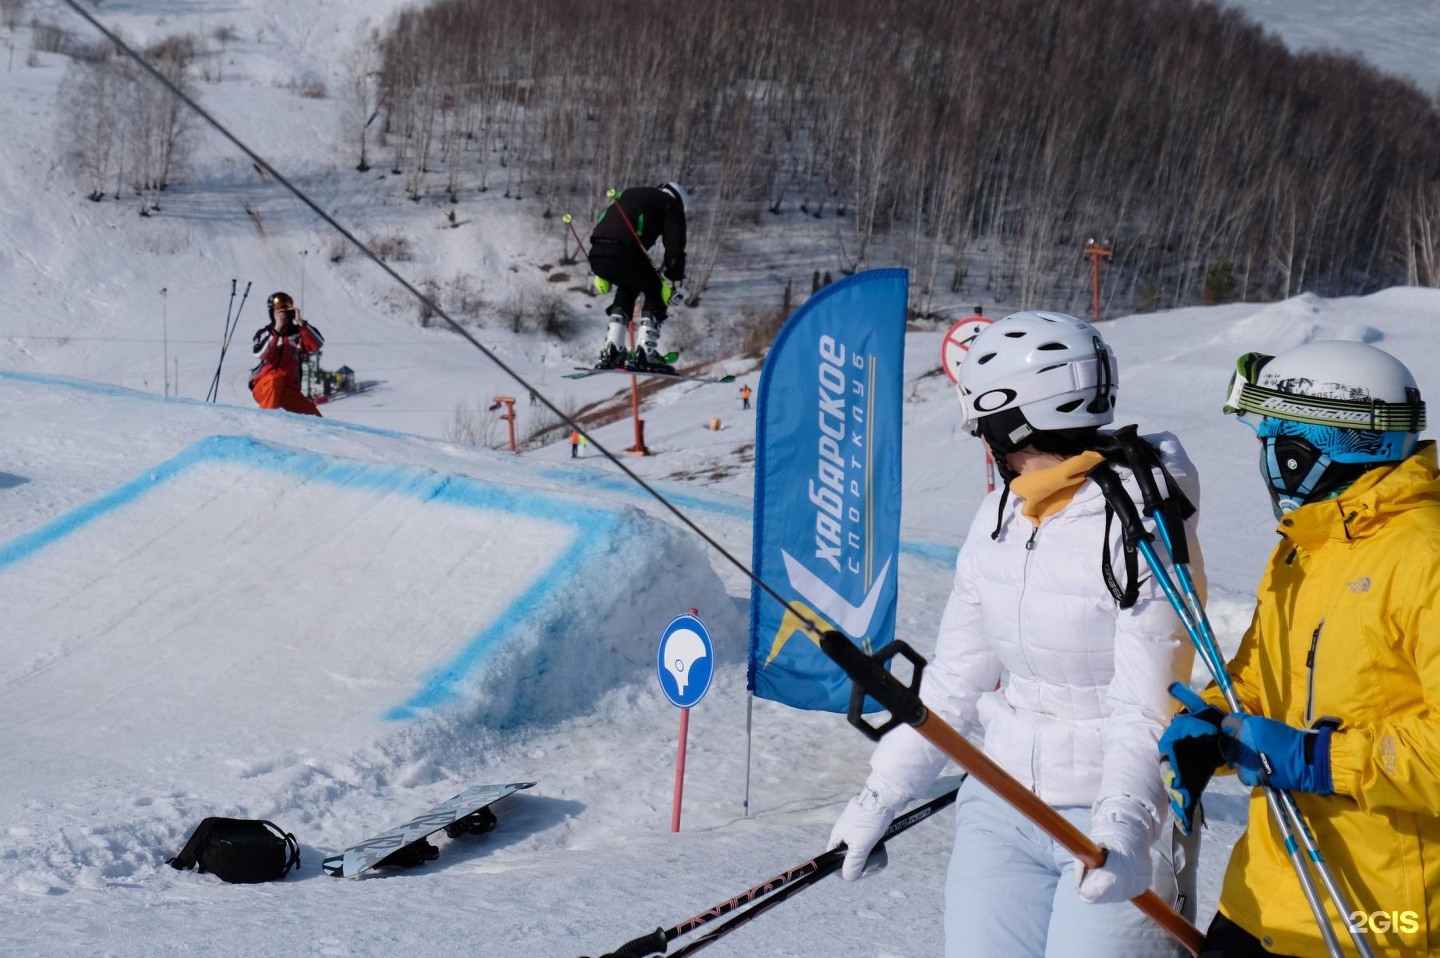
1304, 462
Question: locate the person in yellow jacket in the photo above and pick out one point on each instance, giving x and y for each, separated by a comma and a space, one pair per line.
1338, 674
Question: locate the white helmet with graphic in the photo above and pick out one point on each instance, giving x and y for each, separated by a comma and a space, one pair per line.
1036, 371
677, 191
1328, 412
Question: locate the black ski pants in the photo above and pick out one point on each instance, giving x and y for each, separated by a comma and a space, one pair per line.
1225, 939
631, 273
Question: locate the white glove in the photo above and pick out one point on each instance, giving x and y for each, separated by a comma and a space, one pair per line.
1123, 827
860, 827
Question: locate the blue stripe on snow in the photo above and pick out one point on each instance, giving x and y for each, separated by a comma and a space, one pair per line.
929, 551
593, 527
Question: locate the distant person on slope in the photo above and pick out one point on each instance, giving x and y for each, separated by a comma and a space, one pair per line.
1339, 671
282, 344
1061, 662
625, 232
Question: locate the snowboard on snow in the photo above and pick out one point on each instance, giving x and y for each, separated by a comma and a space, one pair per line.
405, 846
587, 371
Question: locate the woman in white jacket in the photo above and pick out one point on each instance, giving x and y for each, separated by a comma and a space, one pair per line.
1060, 662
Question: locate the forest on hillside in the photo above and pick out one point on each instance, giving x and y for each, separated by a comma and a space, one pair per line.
1216, 164
980, 143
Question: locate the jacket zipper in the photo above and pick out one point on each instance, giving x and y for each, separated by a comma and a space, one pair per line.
1310, 675
1025, 653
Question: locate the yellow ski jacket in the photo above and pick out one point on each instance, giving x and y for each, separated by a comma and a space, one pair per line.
1348, 625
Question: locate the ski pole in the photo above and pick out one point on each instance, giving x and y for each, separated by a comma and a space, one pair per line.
224, 341
1287, 815
569, 221
871, 678
214, 393
777, 888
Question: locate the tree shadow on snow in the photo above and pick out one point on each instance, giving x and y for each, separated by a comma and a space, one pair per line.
7, 481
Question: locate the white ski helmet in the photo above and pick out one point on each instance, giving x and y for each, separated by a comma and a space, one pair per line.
677, 191
1036, 371
1328, 412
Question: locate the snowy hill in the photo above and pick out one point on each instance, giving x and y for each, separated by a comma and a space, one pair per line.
214, 610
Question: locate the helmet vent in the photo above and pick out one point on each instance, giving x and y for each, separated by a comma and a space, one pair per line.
1070, 406
1015, 334
985, 359
1053, 346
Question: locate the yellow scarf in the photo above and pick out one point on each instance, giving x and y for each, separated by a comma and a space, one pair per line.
1044, 492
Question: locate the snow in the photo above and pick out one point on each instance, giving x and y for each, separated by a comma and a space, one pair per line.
335, 624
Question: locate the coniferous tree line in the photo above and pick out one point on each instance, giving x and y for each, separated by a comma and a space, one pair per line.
1215, 162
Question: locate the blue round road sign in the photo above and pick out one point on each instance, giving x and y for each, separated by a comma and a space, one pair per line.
685, 661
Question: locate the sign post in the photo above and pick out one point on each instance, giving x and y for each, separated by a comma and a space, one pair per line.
952, 353
685, 664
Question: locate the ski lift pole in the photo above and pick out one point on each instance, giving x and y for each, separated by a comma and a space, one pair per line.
1289, 820
871, 678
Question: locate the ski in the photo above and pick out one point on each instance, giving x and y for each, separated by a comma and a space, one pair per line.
587, 371
466, 813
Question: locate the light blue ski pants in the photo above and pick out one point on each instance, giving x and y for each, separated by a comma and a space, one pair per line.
1011, 892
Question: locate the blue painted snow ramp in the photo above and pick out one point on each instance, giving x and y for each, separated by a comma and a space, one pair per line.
364, 590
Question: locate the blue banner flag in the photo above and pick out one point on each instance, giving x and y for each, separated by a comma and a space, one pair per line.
827, 485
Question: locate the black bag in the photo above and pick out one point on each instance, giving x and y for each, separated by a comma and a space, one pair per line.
240, 850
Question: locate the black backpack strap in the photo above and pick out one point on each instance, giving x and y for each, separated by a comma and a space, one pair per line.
1126, 596
1174, 507
292, 854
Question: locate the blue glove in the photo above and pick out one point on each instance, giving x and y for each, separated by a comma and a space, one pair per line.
1190, 753
1299, 759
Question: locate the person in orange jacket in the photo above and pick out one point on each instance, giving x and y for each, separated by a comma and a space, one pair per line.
745, 397
282, 345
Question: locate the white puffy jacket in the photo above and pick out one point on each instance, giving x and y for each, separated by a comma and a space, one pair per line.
1085, 701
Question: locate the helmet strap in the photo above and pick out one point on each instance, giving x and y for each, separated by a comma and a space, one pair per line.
1298, 473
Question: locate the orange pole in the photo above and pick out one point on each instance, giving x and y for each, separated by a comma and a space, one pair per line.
1057, 826
1096, 252
680, 770
639, 447
508, 415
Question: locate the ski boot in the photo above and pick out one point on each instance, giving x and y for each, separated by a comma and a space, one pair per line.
613, 354
647, 357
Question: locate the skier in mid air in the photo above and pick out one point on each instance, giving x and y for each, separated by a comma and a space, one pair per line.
627, 228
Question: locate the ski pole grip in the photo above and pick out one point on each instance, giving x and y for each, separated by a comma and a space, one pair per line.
1114, 491
1139, 455
870, 677
654, 943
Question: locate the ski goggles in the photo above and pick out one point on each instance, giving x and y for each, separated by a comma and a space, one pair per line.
1246, 396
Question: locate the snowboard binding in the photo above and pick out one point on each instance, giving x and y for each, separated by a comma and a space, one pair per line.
476, 823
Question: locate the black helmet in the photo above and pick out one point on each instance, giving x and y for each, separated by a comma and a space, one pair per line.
279, 301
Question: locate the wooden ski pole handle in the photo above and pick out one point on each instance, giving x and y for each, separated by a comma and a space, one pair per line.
1027, 803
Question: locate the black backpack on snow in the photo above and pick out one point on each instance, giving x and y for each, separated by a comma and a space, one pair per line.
240, 850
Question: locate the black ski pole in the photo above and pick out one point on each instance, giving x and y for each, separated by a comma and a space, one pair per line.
778, 888
224, 341
230, 327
